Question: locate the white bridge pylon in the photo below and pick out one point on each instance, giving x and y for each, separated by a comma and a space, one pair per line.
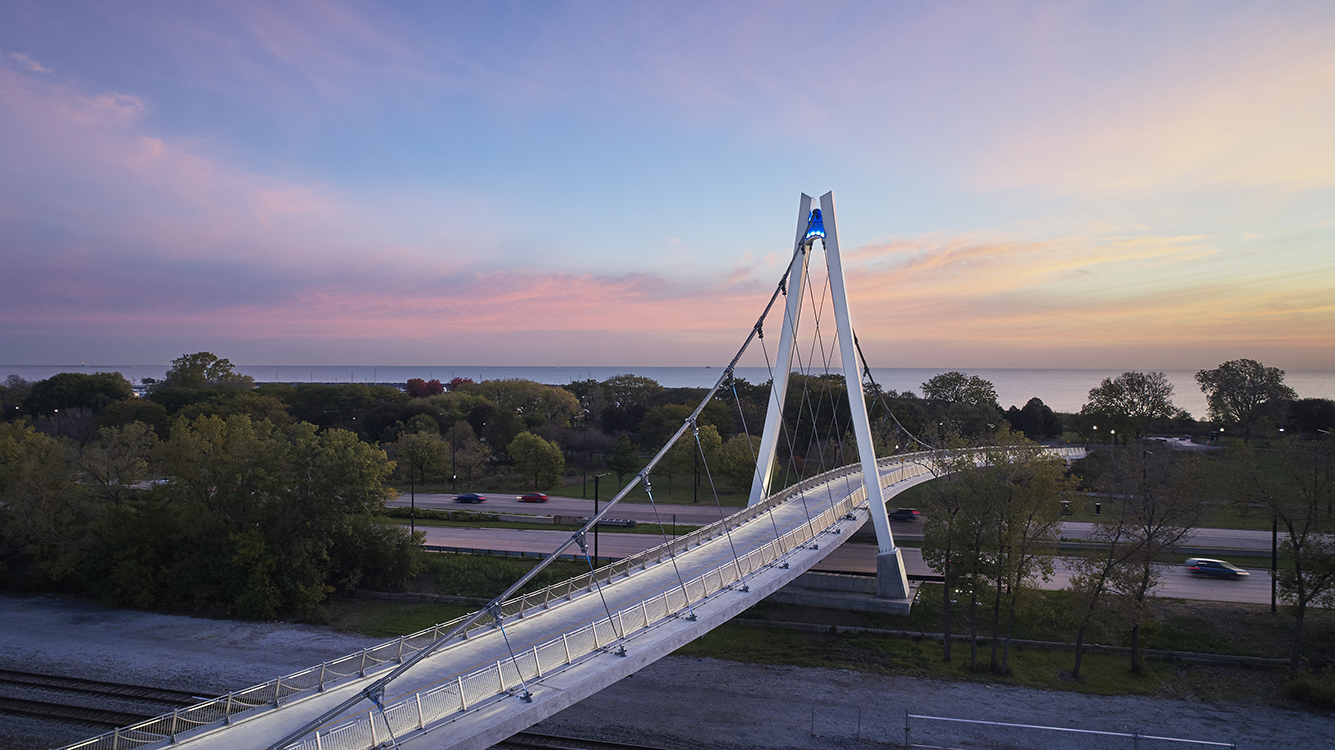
812, 225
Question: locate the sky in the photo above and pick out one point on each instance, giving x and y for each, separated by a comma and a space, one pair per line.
1070, 184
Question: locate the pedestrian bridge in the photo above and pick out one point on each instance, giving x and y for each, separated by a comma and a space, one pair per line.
476, 681
536, 654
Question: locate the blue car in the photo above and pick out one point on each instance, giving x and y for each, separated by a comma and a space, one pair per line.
470, 497
1202, 566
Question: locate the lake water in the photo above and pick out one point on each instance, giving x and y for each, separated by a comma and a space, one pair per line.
1062, 390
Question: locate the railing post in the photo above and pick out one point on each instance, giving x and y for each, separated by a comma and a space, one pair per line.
421, 723
176, 714
361, 670
500, 675
227, 712
399, 657
277, 691
463, 702
116, 739
565, 643
537, 664
320, 688
906, 728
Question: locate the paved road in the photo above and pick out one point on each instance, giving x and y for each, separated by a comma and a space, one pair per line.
692, 515
699, 515
1211, 538
847, 558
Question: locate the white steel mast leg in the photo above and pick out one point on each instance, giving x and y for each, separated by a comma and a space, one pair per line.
891, 582
783, 362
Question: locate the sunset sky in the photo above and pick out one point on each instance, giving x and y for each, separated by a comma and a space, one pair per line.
1087, 185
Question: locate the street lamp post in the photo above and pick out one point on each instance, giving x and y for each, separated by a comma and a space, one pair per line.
595, 515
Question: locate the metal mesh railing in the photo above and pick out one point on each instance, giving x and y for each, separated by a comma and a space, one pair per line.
491, 681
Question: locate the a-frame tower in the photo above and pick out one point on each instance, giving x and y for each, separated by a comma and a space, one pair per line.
813, 225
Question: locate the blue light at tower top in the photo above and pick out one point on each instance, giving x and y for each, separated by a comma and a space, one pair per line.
815, 227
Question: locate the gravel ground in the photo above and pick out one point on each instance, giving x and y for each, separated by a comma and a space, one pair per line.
679, 702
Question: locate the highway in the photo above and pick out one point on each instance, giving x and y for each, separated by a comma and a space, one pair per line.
705, 513
861, 558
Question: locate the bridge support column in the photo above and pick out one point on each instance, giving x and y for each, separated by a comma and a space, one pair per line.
891, 581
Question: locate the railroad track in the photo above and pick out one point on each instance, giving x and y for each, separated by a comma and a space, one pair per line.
534, 741
150, 698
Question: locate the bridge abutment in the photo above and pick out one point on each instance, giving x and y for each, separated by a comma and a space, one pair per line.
891, 580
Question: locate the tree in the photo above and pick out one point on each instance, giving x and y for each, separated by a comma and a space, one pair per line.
12, 393
468, 455
1036, 420
623, 460
957, 387
116, 459
1237, 391
1297, 484
1312, 415
419, 388
76, 390
420, 453
537, 458
993, 528
1153, 501
1131, 401
200, 370
265, 521
737, 461
42, 508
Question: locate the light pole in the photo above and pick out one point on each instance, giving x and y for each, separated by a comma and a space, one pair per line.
595, 515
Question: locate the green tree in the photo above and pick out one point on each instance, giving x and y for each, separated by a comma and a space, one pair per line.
419, 454
1238, 390
957, 387
1131, 401
116, 459
469, 456
269, 513
992, 529
44, 513
534, 403
537, 458
75, 390
622, 461
200, 370
737, 461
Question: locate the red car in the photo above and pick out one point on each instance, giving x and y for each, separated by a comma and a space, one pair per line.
533, 497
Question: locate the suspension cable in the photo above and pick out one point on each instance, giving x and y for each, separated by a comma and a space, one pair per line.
752, 449
527, 697
593, 575
727, 531
672, 553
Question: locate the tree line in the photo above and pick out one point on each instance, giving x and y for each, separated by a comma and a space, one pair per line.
77, 446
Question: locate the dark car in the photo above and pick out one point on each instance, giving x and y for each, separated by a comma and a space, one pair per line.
470, 497
533, 497
1214, 568
905, 514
